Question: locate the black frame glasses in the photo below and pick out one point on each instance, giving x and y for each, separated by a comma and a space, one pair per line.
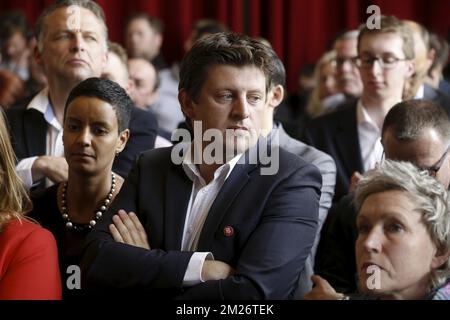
434, 169
384, 62
340, 61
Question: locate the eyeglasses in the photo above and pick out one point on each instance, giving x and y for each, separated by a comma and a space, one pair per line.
433, 170
387, 62
340, 61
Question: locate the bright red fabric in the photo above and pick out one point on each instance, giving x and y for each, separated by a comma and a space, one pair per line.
28, 263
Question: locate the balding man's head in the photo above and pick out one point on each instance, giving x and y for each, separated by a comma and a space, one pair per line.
146, 82
418, 131
117, 67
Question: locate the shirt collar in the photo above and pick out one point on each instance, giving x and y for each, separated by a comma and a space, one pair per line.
41, 103
363, 117
193, 172
420, 92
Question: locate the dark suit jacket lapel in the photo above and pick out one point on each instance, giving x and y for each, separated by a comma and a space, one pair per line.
178, 192
231, 188
429, 93
437, 96
347, 141
35, 130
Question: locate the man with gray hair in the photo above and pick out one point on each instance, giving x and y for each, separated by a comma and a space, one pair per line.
146, 82
347, 73
417, 131
71, 47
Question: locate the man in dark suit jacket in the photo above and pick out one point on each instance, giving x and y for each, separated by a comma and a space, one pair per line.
436, 95
255, 215
351, 135
68, 56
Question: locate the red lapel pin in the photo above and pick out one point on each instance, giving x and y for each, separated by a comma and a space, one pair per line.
228, 231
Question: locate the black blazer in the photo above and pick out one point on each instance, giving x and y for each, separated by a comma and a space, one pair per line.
436, 95
143, 130
336, 257
28, 130
273, 220
337, 135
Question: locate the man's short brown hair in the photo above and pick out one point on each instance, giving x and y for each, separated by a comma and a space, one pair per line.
390, 24
223, 49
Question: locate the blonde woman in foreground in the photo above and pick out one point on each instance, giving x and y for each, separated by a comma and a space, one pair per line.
28, 255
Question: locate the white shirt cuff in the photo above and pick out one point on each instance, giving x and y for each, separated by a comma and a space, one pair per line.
23, 169
193, 273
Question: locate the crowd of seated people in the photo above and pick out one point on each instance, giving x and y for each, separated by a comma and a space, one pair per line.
324, 194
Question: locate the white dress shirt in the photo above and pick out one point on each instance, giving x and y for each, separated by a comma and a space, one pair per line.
420, 92
369, 135
54, 144
161, 142
200, 202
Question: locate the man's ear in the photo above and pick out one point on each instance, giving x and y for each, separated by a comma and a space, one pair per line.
411, 69
277, 96
186, 103
37, 55
158, 40
431, 55
130, 87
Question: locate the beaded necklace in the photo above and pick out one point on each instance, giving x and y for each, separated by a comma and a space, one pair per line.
81, 227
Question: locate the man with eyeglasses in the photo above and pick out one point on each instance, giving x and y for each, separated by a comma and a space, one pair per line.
352, 134
347, 74
417, 131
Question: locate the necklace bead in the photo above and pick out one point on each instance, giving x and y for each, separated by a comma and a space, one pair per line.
98, 213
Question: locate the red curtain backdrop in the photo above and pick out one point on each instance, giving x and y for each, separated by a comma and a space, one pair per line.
299, 30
